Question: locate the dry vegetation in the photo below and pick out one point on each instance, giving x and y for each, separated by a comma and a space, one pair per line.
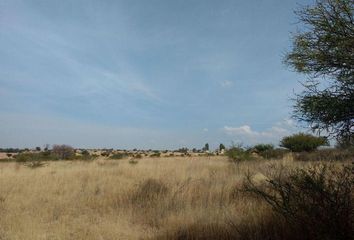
153, 198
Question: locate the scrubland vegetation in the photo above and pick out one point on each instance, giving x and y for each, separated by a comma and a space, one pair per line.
297, 191
177, 198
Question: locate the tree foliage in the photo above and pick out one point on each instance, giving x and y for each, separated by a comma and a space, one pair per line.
324, 51
63, 151
302, 142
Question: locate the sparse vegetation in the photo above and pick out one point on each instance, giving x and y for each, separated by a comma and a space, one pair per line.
316, 203
163, 198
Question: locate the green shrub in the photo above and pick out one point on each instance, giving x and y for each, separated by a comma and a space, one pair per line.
263, 147
138, 156
105, 154
318, 200
274, 153
118, 156
238, 154
155, 154
10, 150
302, 142
31, 157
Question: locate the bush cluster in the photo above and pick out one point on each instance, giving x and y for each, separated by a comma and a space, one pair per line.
117, 156
302, 142
317, 202
239, 154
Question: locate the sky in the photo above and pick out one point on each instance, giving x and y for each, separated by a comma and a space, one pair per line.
157, 74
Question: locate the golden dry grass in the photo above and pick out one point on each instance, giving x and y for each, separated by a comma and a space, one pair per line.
108, 199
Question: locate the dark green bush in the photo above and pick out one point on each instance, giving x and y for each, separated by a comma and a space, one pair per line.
262, 147
10, 150
27, 157
302, 142
155, 154
274, 153
30, 157
318, 200
105, 154
238, 154
118, 156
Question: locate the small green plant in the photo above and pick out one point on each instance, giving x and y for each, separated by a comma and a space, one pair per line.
302, 142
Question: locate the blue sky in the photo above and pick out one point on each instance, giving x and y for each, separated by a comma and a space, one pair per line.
145, 74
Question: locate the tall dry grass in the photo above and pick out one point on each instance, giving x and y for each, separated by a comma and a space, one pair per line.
157, 198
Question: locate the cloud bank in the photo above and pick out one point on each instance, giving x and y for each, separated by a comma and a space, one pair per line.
245, 134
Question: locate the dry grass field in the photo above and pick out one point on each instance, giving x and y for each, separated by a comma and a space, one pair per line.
155, 198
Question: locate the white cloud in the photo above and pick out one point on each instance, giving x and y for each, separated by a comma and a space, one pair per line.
226, 83
205, 130
247, 135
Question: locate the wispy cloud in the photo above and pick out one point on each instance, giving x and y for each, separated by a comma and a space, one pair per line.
226, 83
246, 134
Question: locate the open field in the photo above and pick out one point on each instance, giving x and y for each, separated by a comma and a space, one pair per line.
110, 199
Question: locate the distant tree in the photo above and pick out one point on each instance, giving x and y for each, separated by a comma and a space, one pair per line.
38, 149
63, 151
221, 147
302, 142
84, 152
46, 147
324, 51
206, 147
263, 147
